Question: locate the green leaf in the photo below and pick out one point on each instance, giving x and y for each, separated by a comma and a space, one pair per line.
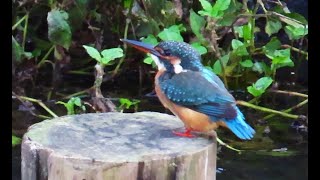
197, 23
295, 33
149, 60
94, 53
172, 33
247, 35
272, 26
201, 49
219, 7
127, 3
206, 5
259, 87
15, 140
271, 46
247, 63
281, 58
217, 65
59, 31
111, 54
261, 67
239, 48
17, 51
150, 39
76, 101
239, 30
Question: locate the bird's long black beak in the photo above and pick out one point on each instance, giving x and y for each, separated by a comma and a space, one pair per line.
144, 47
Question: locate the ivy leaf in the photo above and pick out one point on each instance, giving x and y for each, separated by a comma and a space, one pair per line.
201, 49
280, 58
111, 54
261, 67
217, 65
15, 140
271, 46
150, 39
149, 60
197, 22
295, 33
219, 7
206, 6
59, 31
247, 32
17, 51
272, 26
93, 53
172, 33
246, 63
239, 48
259, 87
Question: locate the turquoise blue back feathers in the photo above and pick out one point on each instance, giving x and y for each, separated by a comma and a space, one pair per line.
200, 89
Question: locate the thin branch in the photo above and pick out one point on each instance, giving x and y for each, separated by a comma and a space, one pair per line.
38, 102
287, 110
290, 93
264, 109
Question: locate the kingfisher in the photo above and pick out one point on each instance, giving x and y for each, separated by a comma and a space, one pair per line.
192, 92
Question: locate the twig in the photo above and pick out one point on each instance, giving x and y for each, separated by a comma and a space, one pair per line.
38, 102
25, 31
287, 110
264, 109
226, 145
125, 35
43, 60
19, 22
295, 49
77, 93
290, 93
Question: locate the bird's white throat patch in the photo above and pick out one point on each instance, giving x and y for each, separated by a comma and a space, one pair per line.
159, 64
177, 67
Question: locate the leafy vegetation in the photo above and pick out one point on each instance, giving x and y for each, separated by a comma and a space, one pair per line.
64, 50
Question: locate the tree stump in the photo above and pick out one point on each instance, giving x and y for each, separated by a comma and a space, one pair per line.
115, 146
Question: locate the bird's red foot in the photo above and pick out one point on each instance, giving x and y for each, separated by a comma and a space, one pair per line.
187, 133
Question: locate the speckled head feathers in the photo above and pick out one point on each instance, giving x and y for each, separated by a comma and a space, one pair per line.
190, 57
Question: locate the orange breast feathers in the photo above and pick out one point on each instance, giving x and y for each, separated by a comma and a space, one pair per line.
192, 119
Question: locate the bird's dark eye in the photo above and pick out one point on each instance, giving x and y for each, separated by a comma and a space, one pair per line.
166, 52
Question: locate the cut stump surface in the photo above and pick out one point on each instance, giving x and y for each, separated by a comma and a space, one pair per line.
115, 146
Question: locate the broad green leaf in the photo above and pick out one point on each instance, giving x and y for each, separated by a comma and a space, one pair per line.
197, 23
126, 3
217, 65
111, 54
280, 58
171, 34
94, 53
76, 101
149, 60
247, 63
259, 87
261, 67
239, 48
227, 19
271, 46
15, 140
247, 35
150, 39
296, 33
272, 26
59, 31
201, 49
16, 51
206, 5
219, 7
297, 17
239, 30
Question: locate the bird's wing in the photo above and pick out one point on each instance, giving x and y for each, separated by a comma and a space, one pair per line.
191, 89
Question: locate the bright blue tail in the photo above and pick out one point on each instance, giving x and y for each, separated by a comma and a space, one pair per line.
239, 127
